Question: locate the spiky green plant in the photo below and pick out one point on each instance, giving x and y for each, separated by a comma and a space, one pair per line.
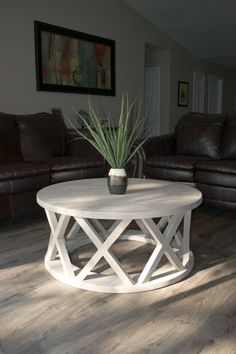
116, 145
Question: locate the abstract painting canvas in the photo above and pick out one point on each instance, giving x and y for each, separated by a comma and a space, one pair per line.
71, 61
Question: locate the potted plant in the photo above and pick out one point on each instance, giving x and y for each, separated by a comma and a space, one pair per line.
116, 145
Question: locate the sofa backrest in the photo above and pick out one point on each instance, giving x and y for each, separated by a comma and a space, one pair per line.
10, 147
42, 135
200, 134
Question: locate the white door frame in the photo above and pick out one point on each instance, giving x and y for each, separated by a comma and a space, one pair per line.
152, 100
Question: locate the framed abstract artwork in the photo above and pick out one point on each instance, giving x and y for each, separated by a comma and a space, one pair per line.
71, 61
183, 91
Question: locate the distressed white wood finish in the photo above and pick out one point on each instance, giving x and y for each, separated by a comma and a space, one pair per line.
144, 199
88, 201
57, 241
103, 250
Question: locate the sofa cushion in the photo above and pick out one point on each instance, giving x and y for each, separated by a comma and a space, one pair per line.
172, 167
228, 150
222, 166
180, 162
43, 135
82, 173
218, 196
217, 173
23, 177
6, 211
70, 168
200, 134
68, 163
25, 203
5, 187
22, 170
10, 148
168, 174
26, 184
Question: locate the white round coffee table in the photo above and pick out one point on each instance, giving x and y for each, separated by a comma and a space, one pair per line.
87, 202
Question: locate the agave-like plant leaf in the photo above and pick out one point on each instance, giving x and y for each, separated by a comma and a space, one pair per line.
116, 145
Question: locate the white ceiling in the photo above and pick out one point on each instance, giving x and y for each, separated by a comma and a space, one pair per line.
207, 28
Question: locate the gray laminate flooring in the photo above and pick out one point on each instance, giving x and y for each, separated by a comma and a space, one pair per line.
198, 315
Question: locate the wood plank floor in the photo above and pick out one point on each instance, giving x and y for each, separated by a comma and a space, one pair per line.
198, 315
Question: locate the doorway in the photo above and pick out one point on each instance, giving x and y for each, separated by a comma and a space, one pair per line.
152, 100
156, 90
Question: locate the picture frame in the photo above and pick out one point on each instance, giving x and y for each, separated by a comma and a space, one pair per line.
183, 93
72, 61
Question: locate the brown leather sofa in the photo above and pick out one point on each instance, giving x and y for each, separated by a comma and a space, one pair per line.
35, 151
201, 151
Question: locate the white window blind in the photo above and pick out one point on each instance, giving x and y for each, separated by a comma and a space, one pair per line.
198, 91
215, 92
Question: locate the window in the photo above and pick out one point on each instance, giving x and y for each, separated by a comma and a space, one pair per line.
198, 91
215, 91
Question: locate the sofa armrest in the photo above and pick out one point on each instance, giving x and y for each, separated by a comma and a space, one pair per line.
78, 146
159, 145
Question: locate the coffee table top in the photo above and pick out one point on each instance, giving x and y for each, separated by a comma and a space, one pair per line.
145, 198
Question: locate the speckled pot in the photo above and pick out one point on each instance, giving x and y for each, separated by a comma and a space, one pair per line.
117, 181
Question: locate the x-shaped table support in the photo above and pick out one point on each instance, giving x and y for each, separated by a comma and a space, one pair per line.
160, 234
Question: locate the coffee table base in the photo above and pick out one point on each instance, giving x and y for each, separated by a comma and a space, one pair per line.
161, 277
83, 211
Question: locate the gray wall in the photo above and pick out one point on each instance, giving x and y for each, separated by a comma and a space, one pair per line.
182, 66
107, 18
181, 69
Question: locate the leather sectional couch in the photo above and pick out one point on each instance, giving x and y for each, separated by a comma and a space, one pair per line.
35, 151
201, 151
